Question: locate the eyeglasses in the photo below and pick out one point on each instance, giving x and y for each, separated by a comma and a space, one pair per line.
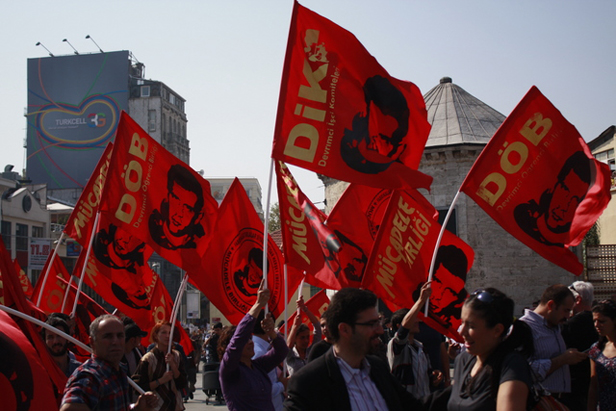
483, 296
371, 323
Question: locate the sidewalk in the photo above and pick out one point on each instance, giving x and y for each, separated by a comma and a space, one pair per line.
198, 403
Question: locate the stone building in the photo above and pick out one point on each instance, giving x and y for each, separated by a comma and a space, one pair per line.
461, 126
602, 148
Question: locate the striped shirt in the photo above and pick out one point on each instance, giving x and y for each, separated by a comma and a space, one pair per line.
363, 394
548, 343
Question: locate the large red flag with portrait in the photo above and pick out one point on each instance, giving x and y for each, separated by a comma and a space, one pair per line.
342, 115
157, 198
401, 257
233, 264
24, 382
538, 179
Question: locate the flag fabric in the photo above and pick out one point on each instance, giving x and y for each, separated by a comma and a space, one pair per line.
156, 197
401, 257
24, 383
538, 179
25, 283
233, 264
154, 305
54, 287
342, 115
15, 298
317, 304
309, 245
79, 225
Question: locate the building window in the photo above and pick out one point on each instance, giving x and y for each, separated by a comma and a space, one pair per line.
6, 234
607, 157
151, 120
145, 91
21, 237
37, 232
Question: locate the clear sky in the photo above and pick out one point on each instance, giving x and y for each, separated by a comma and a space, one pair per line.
225, 58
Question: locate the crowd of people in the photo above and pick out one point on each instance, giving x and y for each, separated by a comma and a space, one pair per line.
355, 359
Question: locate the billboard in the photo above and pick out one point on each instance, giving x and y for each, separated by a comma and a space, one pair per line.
74, 105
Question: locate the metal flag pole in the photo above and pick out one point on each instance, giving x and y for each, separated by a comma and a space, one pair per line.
85, 264
53, 257
266, 226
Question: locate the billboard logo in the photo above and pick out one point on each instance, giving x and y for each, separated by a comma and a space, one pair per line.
97, 120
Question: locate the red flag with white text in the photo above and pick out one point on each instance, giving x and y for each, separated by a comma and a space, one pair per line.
233, 265
401, 257
342, 115
538, 179
156, 197
53, 287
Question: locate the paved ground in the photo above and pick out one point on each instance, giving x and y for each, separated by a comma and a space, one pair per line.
198, 403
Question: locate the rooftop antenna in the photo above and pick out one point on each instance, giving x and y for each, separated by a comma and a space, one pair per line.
69, 43
99, 49
38, 43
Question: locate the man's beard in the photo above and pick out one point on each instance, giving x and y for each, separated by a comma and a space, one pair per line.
56, 353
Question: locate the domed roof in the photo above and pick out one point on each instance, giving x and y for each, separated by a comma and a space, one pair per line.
457, 117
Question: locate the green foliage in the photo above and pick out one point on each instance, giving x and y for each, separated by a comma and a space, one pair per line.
274, 218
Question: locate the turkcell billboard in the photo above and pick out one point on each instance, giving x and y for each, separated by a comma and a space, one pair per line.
74, 105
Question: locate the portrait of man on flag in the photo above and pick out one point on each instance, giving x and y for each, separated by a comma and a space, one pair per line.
548, 220
381, 129
176, 224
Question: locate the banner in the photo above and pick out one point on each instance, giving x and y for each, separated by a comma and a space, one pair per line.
54, 287
342, 115
40, 248
538, 179
317, 304
233, 265
401, 256
155, 197
24, 382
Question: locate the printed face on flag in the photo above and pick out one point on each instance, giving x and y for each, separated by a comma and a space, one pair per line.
155, 197
342, 115
176, 224
538, 179
548, 220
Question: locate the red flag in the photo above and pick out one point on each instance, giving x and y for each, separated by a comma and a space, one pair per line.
401, 257
317, 304
80, 223
310, 246
342, 115
25, 283
233, 265
14, 296
24, 384
158, 198
538, 179
54, 287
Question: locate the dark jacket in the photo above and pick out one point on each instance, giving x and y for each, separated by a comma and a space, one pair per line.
319, 385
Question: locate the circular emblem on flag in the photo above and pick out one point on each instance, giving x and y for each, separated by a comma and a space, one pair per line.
242, 269
376, 210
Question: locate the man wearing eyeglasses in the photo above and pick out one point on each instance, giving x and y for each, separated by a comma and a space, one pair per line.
346, 377
551, 360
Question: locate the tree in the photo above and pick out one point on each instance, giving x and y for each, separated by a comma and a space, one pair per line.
274, 218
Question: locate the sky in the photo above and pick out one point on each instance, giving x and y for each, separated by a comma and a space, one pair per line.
225, 58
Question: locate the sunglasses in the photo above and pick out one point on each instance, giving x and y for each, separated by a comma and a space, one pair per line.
483, 296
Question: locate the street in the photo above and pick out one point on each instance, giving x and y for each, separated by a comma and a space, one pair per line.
198, 403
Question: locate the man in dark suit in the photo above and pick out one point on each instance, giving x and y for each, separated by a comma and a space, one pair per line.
346, 377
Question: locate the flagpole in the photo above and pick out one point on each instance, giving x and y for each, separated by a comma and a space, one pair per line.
438, 243
266, 226
85, 264
286, 302
174, 311
60, 333
53, 257
66, 292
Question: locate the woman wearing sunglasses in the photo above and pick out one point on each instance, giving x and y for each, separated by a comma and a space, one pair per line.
601, 392
491, 374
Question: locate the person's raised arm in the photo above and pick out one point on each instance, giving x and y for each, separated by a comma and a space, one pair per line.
263, 296
313, 318
411, 316
293, 332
